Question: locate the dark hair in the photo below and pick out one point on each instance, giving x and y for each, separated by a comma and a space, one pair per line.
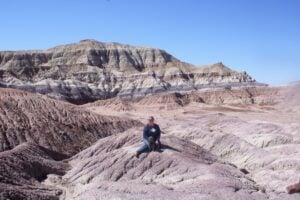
151, 118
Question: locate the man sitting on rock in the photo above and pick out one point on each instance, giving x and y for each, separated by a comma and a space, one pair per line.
151, 134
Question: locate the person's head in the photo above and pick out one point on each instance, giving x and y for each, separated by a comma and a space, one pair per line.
151, 120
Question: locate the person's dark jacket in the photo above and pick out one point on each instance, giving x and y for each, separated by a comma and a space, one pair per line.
153, 131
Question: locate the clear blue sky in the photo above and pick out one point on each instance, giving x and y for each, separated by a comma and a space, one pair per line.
261, 37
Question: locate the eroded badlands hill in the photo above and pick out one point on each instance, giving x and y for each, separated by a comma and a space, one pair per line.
91, 70
56, 125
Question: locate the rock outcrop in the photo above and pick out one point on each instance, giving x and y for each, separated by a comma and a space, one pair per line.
91, 70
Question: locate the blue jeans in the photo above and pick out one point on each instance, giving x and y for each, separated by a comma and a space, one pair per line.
146, 146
